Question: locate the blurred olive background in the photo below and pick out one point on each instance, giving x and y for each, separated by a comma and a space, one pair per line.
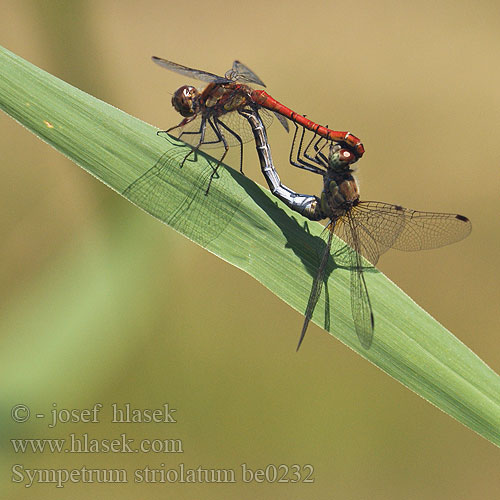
101, 303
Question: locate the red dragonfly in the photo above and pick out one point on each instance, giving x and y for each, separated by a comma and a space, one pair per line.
217, 103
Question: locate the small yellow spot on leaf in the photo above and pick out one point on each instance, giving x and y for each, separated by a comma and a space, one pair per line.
48, 124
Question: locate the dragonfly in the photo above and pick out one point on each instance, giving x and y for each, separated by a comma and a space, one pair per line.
210, 118
369, 228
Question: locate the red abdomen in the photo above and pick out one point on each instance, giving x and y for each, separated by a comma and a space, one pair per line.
266, 101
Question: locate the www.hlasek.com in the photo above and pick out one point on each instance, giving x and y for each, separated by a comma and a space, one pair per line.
83, 443
180, 474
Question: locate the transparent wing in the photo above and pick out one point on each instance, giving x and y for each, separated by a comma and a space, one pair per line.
200, 216
198, 74
392, 226
380, 226
282, 120
361, 307
191, 132
371, 228
356, 229
241, 73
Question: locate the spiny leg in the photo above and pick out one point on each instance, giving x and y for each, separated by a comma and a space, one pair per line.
238, 138
299, 162
302, 154
184, 122
319, 156
201, 132
305, 153
215, 127
201, 142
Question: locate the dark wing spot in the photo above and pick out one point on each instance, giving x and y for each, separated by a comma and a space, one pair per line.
462, 218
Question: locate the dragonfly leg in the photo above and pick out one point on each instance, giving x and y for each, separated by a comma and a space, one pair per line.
185, 121
297, 160
201, 142
319, 156
201, 132
214, 124
238, 138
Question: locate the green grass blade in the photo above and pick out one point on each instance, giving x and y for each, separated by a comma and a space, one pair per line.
244, 225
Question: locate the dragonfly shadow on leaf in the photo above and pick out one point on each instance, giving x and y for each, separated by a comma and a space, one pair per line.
178, 196
310, 249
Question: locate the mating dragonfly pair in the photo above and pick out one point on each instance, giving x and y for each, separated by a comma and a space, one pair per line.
214, 116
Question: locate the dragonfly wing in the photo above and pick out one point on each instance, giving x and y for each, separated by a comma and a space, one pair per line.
239, 72
361, 307
282, 120
317, 285
237, 125
198, 74
356, 229
393, 226
191, 133
186, 206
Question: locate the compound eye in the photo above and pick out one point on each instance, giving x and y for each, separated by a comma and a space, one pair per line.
184, 100
341, 159
345, 156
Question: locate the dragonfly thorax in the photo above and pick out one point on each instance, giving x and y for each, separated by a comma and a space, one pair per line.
186, 100
340, 194
222, 99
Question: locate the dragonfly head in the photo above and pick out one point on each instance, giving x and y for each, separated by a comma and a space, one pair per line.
186, 100
341, 159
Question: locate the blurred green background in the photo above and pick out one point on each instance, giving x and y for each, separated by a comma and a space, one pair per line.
101, 303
